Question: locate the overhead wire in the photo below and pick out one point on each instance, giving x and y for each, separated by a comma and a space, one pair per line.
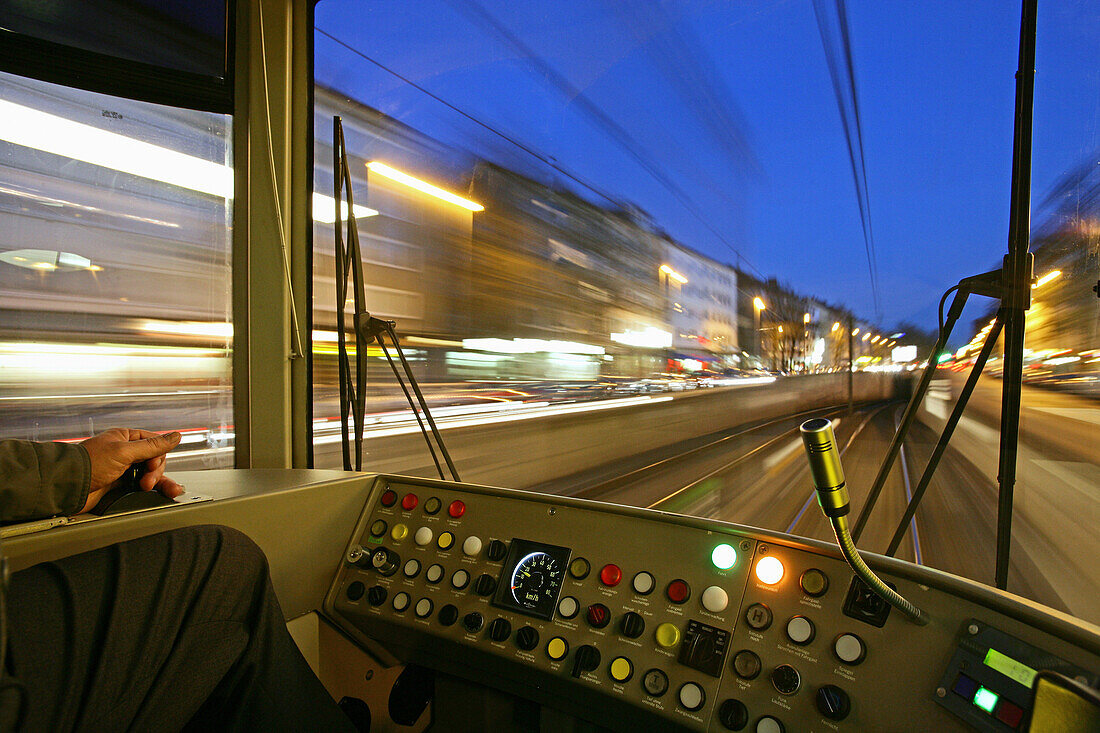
847, 100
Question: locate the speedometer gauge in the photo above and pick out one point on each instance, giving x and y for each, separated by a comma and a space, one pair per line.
532, 577
535, 577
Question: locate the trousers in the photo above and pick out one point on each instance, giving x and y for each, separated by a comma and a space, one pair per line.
174, 631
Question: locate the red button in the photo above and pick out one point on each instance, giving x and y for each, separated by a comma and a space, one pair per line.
611, 575
1009, 713
389, 497
456, 509
678, 591
408, 502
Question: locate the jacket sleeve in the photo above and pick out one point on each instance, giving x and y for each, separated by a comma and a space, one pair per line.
42, 479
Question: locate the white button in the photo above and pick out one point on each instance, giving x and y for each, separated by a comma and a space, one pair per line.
460, 579
423, 607
800, 630
412, 567
848, 648
568, 607
768, 724
643, 583
472, 545
423, 536
692, 696
715, 599
401, 601
434, 574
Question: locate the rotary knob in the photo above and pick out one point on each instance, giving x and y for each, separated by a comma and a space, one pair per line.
485, 585
632, 625
385, 561
499, 629
497, 550
598, 615
376, 596
586, 659
527, 638
833, 702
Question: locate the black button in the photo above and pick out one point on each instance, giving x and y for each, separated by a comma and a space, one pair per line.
473, 622
356, 590
786, 679
746, 664
758, 616
448, 614
733, 714
655, 682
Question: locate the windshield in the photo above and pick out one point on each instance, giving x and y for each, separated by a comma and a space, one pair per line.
628, 247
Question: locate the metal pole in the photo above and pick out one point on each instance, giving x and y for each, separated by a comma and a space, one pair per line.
851, 394
1017, 284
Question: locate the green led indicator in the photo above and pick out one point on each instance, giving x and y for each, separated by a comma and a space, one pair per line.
724, 557
1010, 668
986, 700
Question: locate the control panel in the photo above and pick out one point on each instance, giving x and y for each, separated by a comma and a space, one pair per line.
634, 617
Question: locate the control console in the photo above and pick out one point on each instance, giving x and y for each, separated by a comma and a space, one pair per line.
631, 617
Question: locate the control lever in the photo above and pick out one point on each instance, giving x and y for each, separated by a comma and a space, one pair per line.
832, 495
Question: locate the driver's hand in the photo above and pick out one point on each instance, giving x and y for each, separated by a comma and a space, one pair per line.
112, 451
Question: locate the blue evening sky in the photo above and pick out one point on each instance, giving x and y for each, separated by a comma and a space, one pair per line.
731, 103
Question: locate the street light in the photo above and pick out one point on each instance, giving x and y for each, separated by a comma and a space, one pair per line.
836, 326
673, 274
757, 307
805, 317
1053, 274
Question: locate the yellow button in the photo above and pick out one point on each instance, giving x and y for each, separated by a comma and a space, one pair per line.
445, 541
668, 635
621, 669
579, 568
399, 532
557, 648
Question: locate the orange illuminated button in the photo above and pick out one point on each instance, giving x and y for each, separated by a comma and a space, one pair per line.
678, 591
389, 497
610, 575
769, 570
408, 502
456, 509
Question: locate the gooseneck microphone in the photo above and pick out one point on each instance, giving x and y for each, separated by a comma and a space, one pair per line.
832, 495
828, 474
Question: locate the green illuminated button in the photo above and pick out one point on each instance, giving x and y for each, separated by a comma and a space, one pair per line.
668, 635
432, 505
557, 648
399, 532
986, 700
621, 669
580, 568
378, 528
446, 540
814, 582
723, 556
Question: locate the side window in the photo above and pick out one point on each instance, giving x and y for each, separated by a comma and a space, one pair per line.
114, 268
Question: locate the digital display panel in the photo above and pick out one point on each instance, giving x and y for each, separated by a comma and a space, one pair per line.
1010, 668
532, 578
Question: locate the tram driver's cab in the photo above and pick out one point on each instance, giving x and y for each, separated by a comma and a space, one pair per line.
428, 604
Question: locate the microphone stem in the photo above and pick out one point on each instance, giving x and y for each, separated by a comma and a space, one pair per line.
848, 548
